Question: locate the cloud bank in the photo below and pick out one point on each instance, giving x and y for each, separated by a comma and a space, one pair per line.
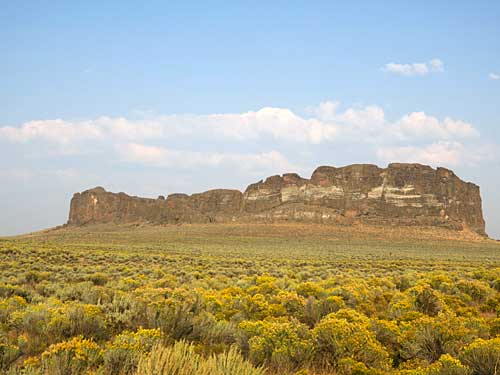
264, 140
167, 158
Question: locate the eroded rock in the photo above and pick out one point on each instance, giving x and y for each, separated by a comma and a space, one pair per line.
401, 194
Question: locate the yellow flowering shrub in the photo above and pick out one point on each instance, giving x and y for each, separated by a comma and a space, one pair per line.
8, 354
122, 354
278, 344
292, 303
95, 303
482, 356
335, 338
349, 366
71, 357
182, 359
429, 338
447, 365
310, 289
10, 305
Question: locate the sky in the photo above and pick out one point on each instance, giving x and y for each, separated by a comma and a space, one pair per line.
157, 97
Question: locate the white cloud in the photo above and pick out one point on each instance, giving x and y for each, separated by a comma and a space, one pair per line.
325, 111
327, 124
57, 131
494, 76
369, 124
168, 158
413, 69
359, 117
407, 69
278, 123
173, 140
436, 65
419, 125
122, 128
442, 153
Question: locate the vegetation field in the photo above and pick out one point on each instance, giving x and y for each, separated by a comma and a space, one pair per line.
249, 299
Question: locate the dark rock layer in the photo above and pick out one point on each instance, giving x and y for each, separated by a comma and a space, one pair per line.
401, 194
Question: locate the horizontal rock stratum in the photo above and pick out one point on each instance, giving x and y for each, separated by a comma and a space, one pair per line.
399, 195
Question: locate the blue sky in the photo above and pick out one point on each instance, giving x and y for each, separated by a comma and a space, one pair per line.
184, 96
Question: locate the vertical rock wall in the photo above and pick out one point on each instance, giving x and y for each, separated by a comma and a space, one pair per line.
401, 194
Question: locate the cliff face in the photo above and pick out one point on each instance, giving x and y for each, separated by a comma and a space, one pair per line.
401, 194
99, 206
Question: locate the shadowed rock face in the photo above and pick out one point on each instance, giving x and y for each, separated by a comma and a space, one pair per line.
401, 195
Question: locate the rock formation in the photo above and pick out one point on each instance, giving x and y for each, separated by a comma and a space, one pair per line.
401, 194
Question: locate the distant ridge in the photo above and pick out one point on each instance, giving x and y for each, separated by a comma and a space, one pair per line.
399, 195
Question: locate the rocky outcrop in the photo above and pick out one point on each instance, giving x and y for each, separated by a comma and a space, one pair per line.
100, 206
399, 195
